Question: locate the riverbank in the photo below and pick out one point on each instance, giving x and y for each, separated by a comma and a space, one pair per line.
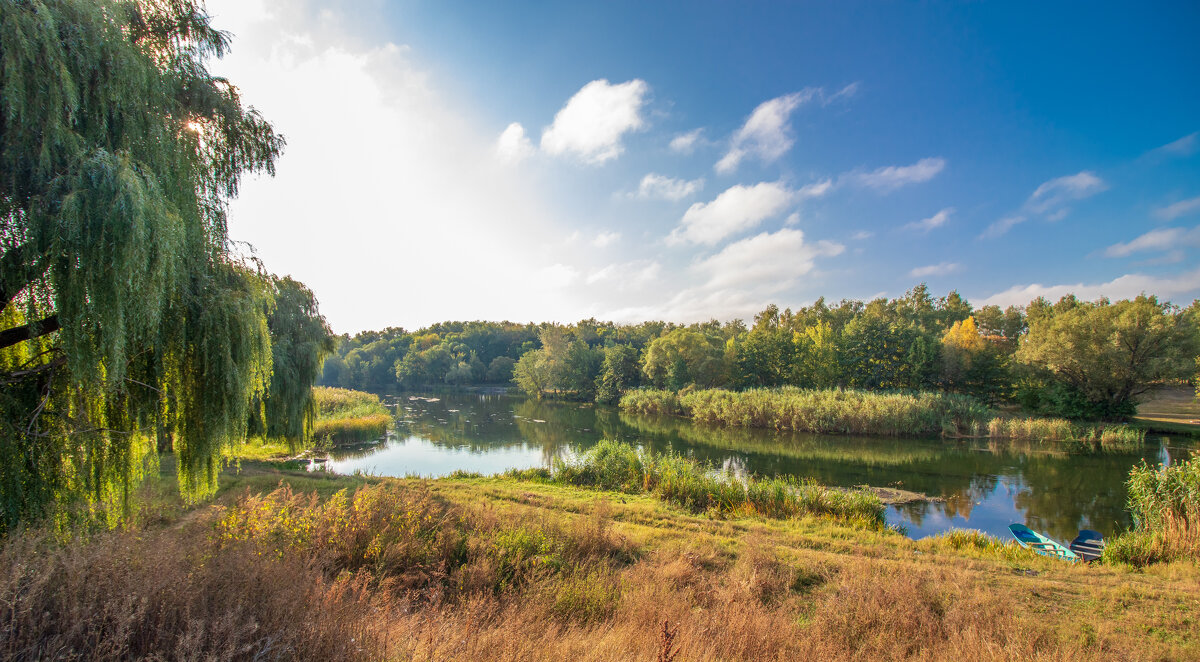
501, 569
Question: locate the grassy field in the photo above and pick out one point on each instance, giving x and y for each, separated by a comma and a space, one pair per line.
1171, 410
289, 564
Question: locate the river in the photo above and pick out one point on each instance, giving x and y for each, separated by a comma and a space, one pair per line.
1053, 488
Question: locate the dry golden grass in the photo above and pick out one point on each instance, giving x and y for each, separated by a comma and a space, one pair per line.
547, 572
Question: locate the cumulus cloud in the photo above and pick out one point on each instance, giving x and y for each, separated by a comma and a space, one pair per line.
768, 260
606, 239
736, 209
740, 279
593, 122
513, 146
890, 178
1183, 286
1162, 239
1181, 208
940, 269
936, 221
861, 235
1050, 201
685, 143
766, 135
668, 188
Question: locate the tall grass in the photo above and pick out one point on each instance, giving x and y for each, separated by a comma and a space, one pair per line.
822, 411
612, 465
345, 416
1165, 503
1060, 429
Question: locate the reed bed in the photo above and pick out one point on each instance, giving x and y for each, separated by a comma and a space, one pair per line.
1165, 503
1060, 429
830, 411
345, 416
612, 465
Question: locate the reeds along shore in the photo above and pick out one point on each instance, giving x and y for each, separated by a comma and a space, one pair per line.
345, 416
821, 411
835, 411
1165, 502
611, 465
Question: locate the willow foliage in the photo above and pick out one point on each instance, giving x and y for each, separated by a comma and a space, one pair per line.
300, 341
125, 322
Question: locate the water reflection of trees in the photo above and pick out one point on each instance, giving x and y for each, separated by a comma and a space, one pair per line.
1058, 491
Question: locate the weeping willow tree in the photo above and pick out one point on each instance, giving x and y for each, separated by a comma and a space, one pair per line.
126, 323
300, 341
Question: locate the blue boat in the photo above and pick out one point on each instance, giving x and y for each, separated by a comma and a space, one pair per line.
1040, 544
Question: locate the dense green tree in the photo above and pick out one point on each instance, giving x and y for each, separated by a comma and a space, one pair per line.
532, 373
1110, 353
618, 373
125, 315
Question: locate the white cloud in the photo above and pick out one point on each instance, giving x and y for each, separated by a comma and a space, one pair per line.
685, 143
816, 189
1185, 146
1049, 201
605, 239
1003, 225
513, 146
1128, 286
861, 235
593, 122
1052, 195
627, 275
768, 260
404, 182
766, 135
668, 188
741, 279
940, 269
738, 208
891, 178
1162, 239
936, 221
1173, 211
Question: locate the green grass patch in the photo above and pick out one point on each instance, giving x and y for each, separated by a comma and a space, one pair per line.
612, 465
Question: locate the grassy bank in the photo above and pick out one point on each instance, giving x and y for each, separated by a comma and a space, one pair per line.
346, 417
684, 482
326, 567
820, 411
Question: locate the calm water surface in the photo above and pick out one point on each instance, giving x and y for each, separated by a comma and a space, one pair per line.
1051, 488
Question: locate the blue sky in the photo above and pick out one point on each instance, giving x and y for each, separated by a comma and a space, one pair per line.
554, 161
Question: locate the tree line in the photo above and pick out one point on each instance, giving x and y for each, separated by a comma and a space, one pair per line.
1071, 358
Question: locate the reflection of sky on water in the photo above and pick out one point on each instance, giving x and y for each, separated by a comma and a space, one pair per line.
985, 486
414, 456
992, 513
